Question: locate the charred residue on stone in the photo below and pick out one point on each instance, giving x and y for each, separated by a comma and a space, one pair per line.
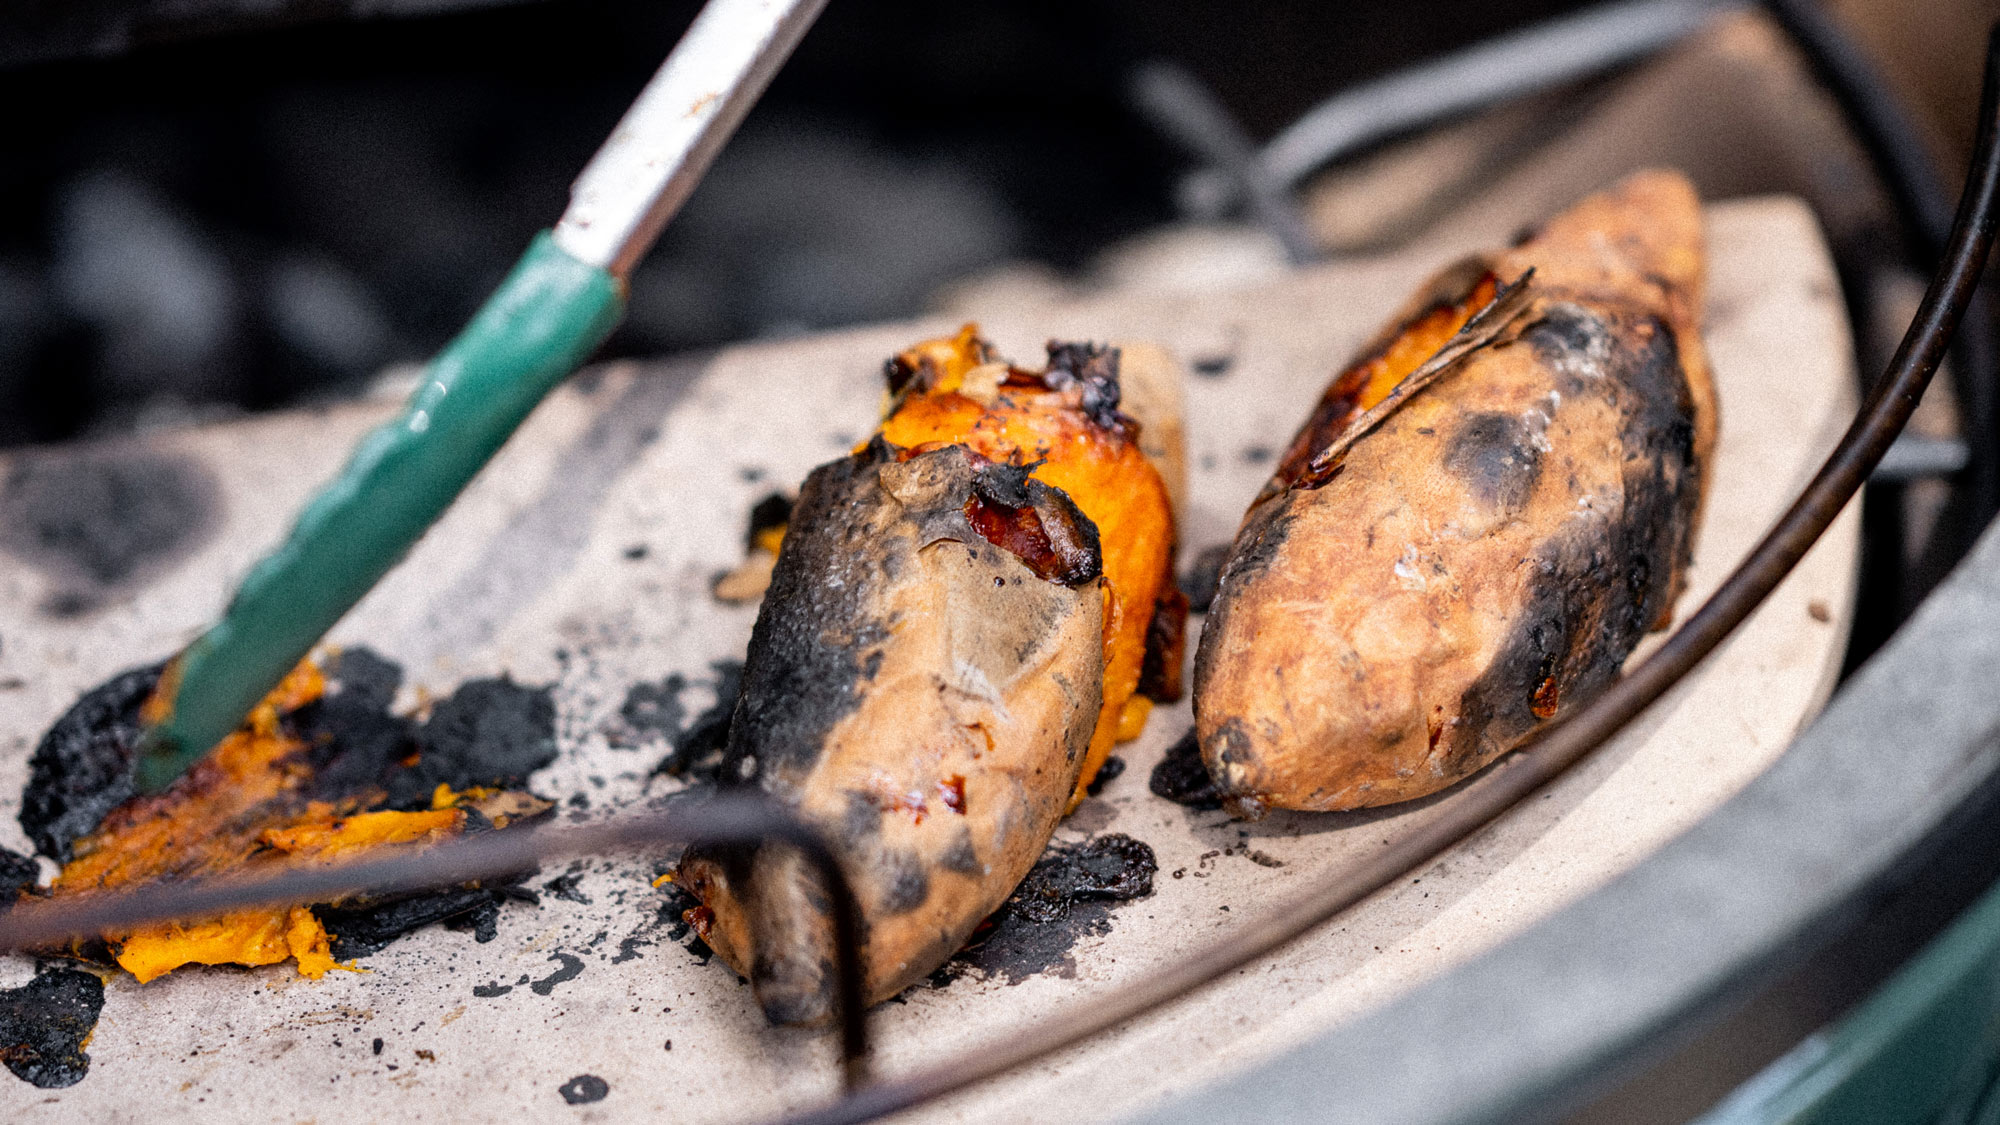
1181, 777
82, 767
1069, 894
43, 1025
655, 710
584, 1089
100, 521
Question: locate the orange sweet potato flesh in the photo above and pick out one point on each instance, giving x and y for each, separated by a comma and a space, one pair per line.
1485, 556
241, 807
1102, 470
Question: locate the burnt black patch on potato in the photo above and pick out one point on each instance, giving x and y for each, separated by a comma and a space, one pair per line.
1037, 524
1598, 588
1069, 894
1166, 641
82, 768
905, 883
43, 1025
1182, 778
1495, 455
807, 665
1093, 369
1257, 544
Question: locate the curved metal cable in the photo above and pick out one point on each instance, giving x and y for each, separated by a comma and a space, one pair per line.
734, 818
1888, 407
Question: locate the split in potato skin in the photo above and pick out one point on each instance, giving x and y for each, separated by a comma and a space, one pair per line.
957, 622
1487, 556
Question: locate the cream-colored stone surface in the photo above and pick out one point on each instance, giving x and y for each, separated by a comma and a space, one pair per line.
529, 575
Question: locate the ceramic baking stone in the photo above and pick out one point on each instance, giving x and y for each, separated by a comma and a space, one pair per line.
583, 556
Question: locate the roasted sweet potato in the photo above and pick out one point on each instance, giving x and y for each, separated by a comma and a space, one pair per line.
1478, 522
957, 622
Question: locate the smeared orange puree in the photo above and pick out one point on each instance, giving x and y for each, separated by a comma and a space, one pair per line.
245, 805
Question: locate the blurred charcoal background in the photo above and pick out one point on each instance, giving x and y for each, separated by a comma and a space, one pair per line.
215, 206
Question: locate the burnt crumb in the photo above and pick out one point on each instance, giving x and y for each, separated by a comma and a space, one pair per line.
1112, 769
1203, 577
569, 968
1181, 777
636, 552
628, 949
1214, 366
43, 1025
483, 920
1094, 368
1166, 648
17, 873
772, 512
99, 522
491, 733
564, 887
584, 1089
1497, 457
1069, 894
375, 1048
358, 930
697, 747
82, 768
1113, 866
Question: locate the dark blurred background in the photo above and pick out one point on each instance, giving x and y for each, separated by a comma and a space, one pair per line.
208, 207
218, 205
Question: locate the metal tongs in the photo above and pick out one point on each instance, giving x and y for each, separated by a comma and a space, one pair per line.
562, 299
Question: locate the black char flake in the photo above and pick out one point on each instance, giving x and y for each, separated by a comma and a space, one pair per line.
1069, 894
43, 1025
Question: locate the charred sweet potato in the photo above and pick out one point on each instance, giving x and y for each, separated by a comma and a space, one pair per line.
1477, 524
956, 626
306, 779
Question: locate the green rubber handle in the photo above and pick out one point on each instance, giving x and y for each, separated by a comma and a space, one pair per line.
544, 320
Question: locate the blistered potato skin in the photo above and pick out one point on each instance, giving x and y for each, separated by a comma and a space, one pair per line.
924, 699
1487, 556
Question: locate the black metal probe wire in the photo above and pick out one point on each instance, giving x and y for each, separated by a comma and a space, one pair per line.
1881, 418
1922, 202
728, 818
741, 819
